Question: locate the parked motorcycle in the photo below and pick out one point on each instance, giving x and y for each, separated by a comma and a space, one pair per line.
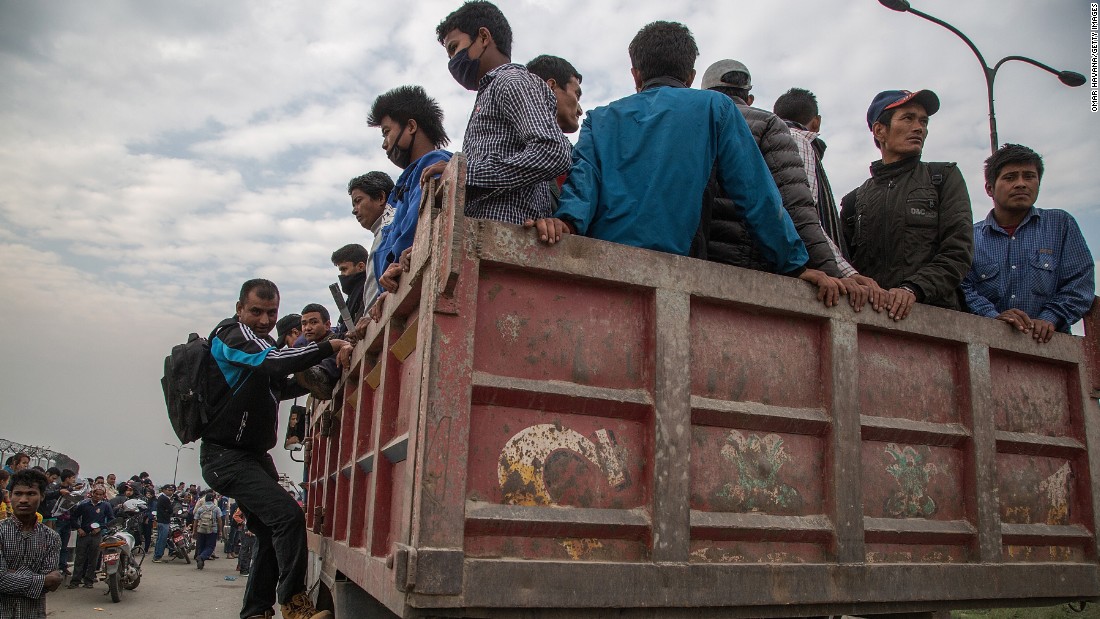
181, 544
120, 565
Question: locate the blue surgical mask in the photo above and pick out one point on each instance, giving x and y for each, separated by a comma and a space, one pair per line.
464, 69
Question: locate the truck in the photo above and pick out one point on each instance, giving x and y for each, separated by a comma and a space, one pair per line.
595, 430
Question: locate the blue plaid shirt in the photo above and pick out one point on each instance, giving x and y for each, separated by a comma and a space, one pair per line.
1044, 269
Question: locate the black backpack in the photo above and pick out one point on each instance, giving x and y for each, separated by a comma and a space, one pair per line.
186, 387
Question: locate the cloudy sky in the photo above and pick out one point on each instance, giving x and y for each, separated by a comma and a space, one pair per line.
156, 154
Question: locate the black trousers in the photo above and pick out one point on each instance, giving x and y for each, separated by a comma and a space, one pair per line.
279, 559
244, 560
87, 558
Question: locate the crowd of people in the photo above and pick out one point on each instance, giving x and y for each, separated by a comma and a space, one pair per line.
43, 509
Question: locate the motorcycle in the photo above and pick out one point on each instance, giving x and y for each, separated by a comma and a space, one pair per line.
120, 565
180, 542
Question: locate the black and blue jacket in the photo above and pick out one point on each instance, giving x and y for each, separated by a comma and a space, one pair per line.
248, 378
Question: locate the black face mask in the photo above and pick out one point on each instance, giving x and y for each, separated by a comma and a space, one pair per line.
348, 282
464, 69
400, 157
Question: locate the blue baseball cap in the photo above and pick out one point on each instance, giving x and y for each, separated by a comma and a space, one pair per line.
889, 99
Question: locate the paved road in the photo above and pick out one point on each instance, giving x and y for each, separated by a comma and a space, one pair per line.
169, 590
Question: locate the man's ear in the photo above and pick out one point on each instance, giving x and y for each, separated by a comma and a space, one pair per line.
749, 99
814, 124
552, 83
637, 79
878, 130
989, 190
240, 306
691, 78
484, 33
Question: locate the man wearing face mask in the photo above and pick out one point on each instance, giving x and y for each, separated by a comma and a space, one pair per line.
412, 136
513, 144
351, 260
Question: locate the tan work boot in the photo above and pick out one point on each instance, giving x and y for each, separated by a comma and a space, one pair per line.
301, 607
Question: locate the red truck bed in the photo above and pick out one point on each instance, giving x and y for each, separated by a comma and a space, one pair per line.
591, 429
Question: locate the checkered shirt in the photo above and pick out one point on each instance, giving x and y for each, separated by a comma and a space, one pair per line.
804, 141
25, 559
514, 147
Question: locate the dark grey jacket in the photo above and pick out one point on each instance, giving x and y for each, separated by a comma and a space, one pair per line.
901, 230
729, 240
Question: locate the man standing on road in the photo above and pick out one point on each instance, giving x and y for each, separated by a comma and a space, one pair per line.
28, 551
208, 521
248, 378
162, 514
62, 501
89, 516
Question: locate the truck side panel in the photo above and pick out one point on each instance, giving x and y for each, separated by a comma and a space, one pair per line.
590, 426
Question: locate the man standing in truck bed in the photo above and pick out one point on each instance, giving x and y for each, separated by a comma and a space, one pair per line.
642, 162
514, 147
1032, 268
909, 227
247, 383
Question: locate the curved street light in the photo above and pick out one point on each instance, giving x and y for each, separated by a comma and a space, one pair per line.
178, 449
1069, 78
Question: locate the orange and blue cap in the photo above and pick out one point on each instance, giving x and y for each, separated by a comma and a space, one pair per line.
889, 99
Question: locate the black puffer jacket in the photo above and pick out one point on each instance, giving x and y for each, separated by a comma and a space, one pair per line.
729, 240
901, 230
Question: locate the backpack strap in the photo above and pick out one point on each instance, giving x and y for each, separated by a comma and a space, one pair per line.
937, 172
849, 200
210, 412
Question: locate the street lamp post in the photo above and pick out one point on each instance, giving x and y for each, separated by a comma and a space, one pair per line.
1069, 78
178, 449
